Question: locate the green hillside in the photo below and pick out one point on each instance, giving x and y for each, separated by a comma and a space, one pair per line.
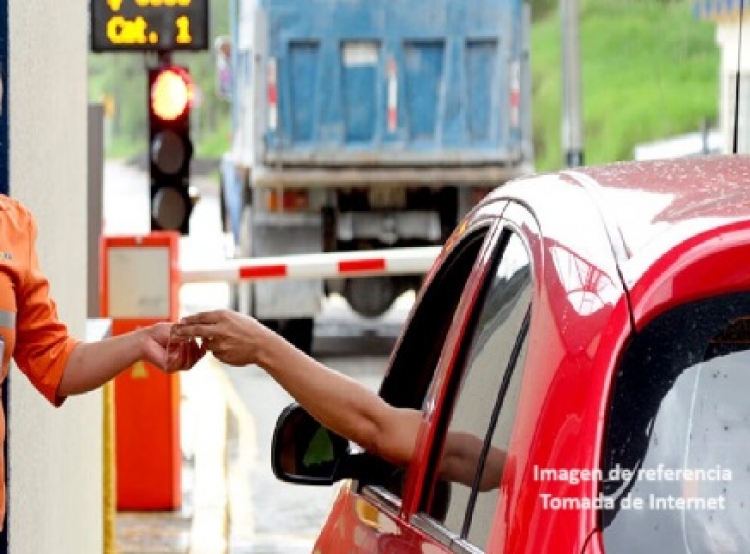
649, 70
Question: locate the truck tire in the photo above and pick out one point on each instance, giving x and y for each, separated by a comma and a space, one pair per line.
371, 296
299, 331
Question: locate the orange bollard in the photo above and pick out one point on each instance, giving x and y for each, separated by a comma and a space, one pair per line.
140, 286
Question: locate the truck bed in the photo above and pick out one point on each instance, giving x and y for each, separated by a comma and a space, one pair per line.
379, 83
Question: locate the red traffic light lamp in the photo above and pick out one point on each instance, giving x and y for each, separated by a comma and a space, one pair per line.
171, 93
170, 99
170, 147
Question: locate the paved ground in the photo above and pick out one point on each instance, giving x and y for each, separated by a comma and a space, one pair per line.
153, 533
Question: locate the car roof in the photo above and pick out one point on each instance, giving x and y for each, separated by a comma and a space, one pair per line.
650, 197
645, 207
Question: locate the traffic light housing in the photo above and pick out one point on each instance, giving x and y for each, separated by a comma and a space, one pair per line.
170, 95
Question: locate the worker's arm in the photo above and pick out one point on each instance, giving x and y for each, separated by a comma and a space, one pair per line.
92, 364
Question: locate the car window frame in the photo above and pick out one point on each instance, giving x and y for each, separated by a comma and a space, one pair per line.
488, 220
421, 520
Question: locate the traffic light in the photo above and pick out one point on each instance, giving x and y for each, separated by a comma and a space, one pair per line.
170, 147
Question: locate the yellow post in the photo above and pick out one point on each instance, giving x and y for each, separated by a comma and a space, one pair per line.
110, 490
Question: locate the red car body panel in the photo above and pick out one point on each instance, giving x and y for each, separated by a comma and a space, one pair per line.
612, 247
361, 527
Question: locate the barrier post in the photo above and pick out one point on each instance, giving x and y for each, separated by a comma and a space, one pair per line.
139, 287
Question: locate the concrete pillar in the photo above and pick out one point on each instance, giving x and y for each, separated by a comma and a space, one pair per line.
55, 454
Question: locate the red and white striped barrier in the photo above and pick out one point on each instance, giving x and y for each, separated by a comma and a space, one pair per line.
394, 261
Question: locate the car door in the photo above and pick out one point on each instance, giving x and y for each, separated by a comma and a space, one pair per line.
373, 517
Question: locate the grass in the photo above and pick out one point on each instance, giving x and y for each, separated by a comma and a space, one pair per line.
215, 144
649, 70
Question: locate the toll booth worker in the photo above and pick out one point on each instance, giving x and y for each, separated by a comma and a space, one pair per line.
57, 364
335, 400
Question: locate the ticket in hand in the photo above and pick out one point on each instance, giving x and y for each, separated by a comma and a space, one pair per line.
182, 353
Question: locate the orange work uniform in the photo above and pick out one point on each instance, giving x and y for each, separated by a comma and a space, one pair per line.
30, 330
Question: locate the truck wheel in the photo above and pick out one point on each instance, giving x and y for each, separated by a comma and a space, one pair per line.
371, 296
299, 332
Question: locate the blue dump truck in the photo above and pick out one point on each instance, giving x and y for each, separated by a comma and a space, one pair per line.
361, 125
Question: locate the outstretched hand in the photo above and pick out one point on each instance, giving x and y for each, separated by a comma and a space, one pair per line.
169, 355
232, 337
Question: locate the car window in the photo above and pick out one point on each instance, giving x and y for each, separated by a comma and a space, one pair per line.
416, 357
676, 463
413, 363
479, 426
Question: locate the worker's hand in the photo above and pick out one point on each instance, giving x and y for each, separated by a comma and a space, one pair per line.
233, 338
167, 354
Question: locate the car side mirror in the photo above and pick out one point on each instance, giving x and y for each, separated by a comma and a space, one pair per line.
305, 452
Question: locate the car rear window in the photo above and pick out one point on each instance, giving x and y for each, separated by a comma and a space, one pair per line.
677, 455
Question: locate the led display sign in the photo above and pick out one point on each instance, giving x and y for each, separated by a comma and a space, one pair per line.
158, 25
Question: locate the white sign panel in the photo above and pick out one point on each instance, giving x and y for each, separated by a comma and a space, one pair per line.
138, 282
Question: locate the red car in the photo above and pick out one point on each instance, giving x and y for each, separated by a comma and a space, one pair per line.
594, 325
